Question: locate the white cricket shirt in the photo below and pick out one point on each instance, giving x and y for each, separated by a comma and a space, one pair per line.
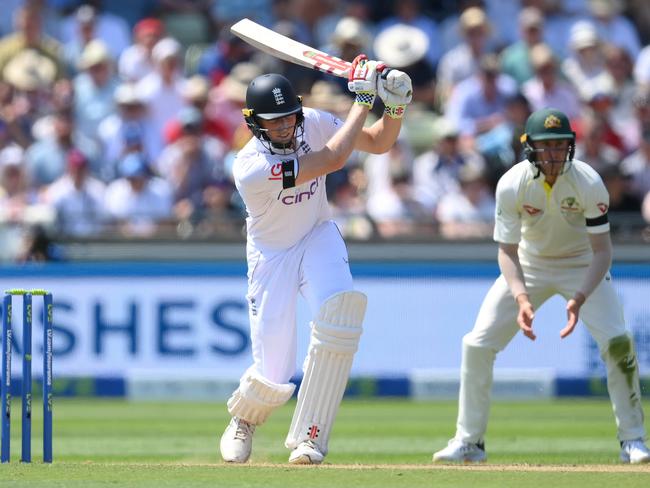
278, 218
550, 222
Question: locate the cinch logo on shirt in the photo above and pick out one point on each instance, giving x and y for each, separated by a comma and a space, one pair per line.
302, 196
276, 172
532, 210
602, 207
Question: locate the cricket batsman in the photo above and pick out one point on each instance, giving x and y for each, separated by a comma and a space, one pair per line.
553, 234
293, 247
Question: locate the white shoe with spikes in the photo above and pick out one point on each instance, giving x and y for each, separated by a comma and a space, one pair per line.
237, 441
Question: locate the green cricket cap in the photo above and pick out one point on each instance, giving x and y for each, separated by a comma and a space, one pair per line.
548, 123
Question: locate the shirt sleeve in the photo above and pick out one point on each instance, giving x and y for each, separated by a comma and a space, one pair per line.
596, 206
328, 123
507, 219
258, 174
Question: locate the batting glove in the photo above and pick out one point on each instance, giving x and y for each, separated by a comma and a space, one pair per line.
396, 91
363, 79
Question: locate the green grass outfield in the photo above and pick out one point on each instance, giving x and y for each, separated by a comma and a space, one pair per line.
568, 443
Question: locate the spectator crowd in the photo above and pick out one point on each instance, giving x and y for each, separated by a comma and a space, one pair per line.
123, 117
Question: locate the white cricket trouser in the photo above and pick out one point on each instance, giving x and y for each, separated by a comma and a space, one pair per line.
317, 267
496, 325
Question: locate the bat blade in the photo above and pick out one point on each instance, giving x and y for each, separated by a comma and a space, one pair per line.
288, 49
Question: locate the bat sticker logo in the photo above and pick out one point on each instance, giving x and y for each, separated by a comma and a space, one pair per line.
326, 63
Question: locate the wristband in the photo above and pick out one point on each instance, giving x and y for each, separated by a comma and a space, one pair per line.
365, 98
395, 111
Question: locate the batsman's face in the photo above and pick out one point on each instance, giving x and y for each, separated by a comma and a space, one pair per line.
280, 130
552, 154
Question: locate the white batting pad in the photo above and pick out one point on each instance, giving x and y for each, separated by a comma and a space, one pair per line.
257, 397
334, 340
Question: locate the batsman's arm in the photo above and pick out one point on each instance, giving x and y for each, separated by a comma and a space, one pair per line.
336, 151
362, 82
380, 136
395, 89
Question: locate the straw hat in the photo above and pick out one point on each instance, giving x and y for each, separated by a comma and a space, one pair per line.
12, 155
605, 8
325, 95
473, 17
94, 53
541, 55
127, 94
196, 87
234, 85
167, 47
350, 30
583, 34
531, 17
444, 128
86, 15
470, 172
401, 45
29, 70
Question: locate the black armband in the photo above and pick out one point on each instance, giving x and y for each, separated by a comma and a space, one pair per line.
603, 219
289, 173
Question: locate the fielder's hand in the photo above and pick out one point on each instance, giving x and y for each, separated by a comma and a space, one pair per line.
572, 313
525, 316
363, 79
396, 91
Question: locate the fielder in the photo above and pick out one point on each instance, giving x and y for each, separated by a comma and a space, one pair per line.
553, 235
293, 247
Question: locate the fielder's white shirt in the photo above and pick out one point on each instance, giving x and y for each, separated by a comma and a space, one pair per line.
279, 218
551, 222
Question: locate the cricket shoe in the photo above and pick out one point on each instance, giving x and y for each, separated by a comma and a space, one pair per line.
237, 441
458, 451
307, 452
635, 452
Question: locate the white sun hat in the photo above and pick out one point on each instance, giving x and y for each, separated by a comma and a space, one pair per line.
401, 45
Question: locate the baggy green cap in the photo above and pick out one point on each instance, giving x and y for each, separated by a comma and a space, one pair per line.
548, 123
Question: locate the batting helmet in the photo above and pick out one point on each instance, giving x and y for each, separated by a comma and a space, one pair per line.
547, 124
269, 97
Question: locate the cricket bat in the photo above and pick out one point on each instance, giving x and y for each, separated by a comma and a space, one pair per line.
292, 51
296, 52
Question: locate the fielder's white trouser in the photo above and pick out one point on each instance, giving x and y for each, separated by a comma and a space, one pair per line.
316, 267
496, 325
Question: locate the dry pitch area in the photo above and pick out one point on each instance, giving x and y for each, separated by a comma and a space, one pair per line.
375, 443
